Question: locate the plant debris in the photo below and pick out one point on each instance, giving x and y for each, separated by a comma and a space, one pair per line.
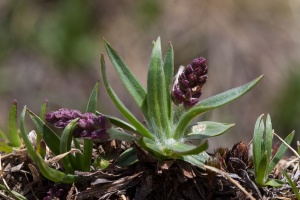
170, 179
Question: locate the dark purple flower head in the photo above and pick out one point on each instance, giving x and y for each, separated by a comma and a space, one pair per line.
89, 125
187, 88
57, 192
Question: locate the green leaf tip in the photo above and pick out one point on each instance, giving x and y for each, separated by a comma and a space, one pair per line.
212, 103
12, 125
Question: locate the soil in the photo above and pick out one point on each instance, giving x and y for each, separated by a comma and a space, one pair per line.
149, 179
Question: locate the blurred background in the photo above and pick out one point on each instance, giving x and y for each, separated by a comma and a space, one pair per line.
51, 49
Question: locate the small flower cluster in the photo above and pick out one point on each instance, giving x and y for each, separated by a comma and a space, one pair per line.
57, 192
89, 124
187, 88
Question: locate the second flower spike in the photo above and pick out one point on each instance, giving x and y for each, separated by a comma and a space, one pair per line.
89, 124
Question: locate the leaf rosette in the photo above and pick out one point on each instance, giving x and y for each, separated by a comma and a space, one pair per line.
168, 111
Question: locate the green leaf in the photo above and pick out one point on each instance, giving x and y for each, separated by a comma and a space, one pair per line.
261, 175
182, 149
228, 96
274, 183
268, 137
78, 156
157, 94
92, 103
280, 152
13, 126
212, 103
48, 172
3, 137
178, 111
115, 134
128, 79
49, 136
154, 148
100, 163
207, 129
41, 148
65, 144
12, 192
5, 148
118, 103
127, 158
88, 143
169, 74
257, 142
292, 184
197, 160
43, 109
119, 123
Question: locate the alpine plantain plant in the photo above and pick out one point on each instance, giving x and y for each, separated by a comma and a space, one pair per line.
168, 110
263, 160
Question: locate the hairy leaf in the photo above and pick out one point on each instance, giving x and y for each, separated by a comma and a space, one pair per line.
212, 103
128, 79
207, 129
157, 94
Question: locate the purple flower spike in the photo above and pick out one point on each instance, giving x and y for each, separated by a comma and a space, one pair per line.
89, 125
188, 86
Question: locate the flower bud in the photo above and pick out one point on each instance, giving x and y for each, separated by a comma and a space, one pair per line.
188, 86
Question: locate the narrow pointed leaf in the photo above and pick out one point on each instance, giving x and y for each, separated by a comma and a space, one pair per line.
268, 137
43, 110
228, 96
182, 149
156, 149
169, 74
156, 93
207, 129
65, 144
5, 145
88, 143
257, 142
49, 136
133, 86
212, 103
274, 183
280, 152
178, 111
120, 123
127, 158
197, 160
261, 174
3, 137
78, 157
92, 103
17, 195
5, 148
292, 184
125, 112
48, 172
41, 148
115, 134
13, 126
